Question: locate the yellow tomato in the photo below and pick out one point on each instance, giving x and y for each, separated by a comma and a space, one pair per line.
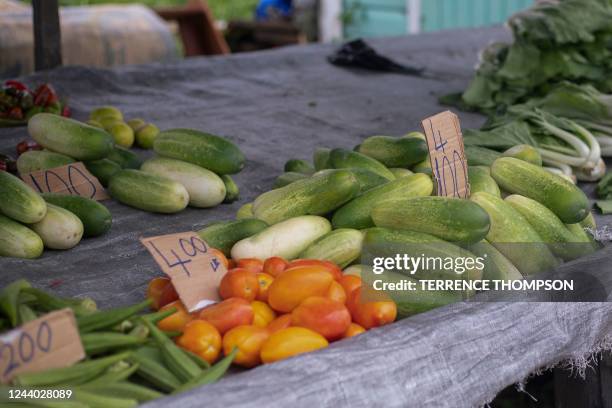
353, 330
290, 342
262, 314
201, 338
177, 320
248, 340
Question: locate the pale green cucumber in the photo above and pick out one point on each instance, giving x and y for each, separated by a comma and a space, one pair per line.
497, 266
246, 211
480, 180
19, 201
95, 217
36, 160
224, 234
399, 172
18, 241
60, 229
367, 179
524, 152
341, 246
347, 159
394, 151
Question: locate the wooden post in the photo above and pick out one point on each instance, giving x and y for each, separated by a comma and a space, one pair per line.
47, 36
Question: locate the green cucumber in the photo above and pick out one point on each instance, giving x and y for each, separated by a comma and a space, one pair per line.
35, 160
246, 211
480, 156
497, 266
423, 167
562, 197
399, 173
299, 166
205, 188
102, 169
232, 192
288, 178
589, 221
480, 180
514, 237
451, 219
95, 217
564, 243
524, 152
394, 151
320, 158
19, 201
347, 159
224, 234
357, 212
367, 179
341, 246
70, 137
148, 192
286, 239
59, 229
317, 195
125, 158
212, 152
18, 241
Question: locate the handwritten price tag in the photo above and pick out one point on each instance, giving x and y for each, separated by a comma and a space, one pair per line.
447, 155
193, 269
72, 178
51, 341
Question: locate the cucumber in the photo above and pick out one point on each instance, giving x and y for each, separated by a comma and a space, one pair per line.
399, 173
320, 158
224, 234
589, 221
394, 151
423, 167
497, 266
102, 169
205, 188
148, 192
341, 246
566, 200
480, 180
480, 156
524, 152
367, 179
288, 178
564, 243
246, 211
125, 158
232, 192
95, 217
357, 212
451, 219
212, 152
347, 159
514, 237
316, 195
18, 241
70, 137
356, 269
286, 239
35, 160
60, 229
19, 201
299, 166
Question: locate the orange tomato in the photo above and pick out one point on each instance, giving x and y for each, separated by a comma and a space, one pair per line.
330, 266
239, 282
350, 283
327, 317
281, 322
228, 314
231, 264
296, 284
373, 313
251, 264
336, 292
262, 314
290, 342
155, 289
275, 266
177, 320
353, 330
248, 340
168, 295
201, 338
264, 280
220, 256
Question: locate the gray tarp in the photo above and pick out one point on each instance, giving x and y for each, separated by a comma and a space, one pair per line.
279, 105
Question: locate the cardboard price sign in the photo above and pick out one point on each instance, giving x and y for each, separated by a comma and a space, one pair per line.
195, 272
73, 178
51, 341
447, 155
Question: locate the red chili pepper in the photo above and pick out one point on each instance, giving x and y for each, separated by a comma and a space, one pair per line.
45, 95
27, 145
15, 113
66, 111
11, 83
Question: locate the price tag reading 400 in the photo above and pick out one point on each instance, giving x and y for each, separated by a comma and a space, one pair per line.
447, 155
194, 270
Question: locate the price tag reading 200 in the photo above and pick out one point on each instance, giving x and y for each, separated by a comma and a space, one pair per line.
447, 155
194, 270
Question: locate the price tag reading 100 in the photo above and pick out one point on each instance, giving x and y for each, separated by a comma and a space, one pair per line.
447, 155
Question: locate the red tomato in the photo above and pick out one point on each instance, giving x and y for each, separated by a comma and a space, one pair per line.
228, 314
332, 267
251, 264
240, 283
275, 266
327, 317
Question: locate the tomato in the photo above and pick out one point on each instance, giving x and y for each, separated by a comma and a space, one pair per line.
262, 314
350, 283
330, 266
264, 280
228, 314
168, 295
220, 256
27, 145
201, 338
336, 292
231, 264
177, 320
251, 264
240, 283
372, 313
281, 322
155, 289
275, 266
248, 340
290, 342
296, 284
20, 86
327, 317
353, 330
45, 95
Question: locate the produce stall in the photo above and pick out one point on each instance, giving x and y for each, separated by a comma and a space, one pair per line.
282, 104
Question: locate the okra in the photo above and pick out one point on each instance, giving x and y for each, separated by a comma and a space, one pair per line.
100, 342
26, 314
175, 358
100, 401
155, 372
123, 389
140, 330
120, 371
9, 299
157, 316
210, 375
203, 364
109, 318
48, 302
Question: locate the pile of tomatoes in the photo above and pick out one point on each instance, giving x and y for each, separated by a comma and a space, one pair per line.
19, 103
272, 310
